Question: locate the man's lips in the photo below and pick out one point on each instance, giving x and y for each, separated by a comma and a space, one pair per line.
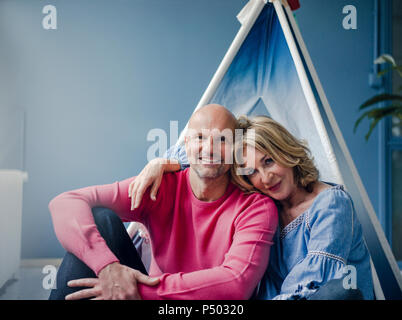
209, 161
275, 187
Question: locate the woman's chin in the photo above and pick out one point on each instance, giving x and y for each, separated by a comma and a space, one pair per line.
276, 196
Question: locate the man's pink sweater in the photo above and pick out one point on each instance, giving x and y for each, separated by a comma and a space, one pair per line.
201, 250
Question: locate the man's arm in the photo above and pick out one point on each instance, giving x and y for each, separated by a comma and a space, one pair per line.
75, 226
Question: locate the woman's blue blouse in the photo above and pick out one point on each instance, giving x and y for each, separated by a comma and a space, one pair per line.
323, 243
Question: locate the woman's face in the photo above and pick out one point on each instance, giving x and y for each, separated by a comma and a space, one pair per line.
267, 176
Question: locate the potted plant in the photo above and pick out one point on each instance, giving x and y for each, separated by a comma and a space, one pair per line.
394, 109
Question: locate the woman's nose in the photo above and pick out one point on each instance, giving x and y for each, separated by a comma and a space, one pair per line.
266, 177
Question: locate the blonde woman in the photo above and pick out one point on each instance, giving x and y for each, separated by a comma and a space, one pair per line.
319, 239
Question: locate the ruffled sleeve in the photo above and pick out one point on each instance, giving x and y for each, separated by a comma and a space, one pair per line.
311, 273
329, 224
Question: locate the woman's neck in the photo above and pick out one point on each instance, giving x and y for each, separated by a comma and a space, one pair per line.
299, 201
293, 206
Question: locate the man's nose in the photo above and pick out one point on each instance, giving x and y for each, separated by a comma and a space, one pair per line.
208, 145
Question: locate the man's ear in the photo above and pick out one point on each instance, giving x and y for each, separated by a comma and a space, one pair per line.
186, 140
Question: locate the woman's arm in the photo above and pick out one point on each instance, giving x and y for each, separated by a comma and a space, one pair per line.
330, 225
174, 159
151, 175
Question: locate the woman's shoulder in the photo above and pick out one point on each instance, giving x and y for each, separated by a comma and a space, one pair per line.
326, 193
331, 202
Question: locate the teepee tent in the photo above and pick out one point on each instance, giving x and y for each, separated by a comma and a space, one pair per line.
267, 70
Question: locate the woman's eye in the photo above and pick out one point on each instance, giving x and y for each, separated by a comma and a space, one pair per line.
268, 161
250, 172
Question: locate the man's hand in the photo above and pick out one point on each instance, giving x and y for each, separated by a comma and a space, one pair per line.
114, 282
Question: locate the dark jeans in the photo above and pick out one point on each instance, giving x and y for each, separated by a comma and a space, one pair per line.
113, 231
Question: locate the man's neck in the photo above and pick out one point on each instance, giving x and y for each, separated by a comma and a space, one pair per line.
207, 189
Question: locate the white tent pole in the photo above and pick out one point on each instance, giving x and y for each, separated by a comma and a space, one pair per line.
258, 5
338, 134
308, 92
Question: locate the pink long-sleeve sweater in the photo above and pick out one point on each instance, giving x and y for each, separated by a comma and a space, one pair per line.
201, 250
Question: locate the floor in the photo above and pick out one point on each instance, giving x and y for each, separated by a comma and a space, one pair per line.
29, 283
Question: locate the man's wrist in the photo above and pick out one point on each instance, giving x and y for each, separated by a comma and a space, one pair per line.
107, 269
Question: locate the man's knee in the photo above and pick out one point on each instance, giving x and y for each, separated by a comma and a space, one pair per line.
105, 216
107, 222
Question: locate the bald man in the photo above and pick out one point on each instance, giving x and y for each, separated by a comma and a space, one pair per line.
209, 240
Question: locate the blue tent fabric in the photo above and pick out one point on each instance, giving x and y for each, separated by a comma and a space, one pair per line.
262, 79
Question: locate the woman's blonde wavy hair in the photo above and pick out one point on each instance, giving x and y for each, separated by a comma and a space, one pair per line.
273, 139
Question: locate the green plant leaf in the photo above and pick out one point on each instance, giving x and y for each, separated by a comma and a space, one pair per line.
385, 58
383, 72
380, 98
377, 114
360, 120
399, 70
372, 126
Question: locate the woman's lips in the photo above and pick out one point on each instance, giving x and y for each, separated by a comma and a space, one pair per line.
275, 187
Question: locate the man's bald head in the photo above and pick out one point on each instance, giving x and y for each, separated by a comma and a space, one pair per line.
213, 116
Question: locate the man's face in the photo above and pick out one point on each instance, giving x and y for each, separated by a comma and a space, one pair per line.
209, 143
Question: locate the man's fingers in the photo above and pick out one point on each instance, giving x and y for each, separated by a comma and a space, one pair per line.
84, 282
83, 294
145, 279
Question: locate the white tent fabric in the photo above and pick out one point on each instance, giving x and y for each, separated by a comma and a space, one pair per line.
267, 70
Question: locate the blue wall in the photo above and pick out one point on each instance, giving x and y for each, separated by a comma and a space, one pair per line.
113, 70
343, 60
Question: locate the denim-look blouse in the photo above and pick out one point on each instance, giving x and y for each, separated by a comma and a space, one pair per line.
325, 242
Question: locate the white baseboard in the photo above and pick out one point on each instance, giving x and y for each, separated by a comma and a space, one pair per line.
36, 263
